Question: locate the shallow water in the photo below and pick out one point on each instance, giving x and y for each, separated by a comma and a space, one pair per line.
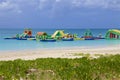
26, 44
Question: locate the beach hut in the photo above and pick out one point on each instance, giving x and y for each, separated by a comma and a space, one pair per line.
58, 34
113, 34
41, 35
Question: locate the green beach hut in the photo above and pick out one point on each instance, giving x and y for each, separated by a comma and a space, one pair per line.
113, 34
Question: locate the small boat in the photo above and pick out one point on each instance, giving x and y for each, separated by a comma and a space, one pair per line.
21, 38
67, 39
48, 40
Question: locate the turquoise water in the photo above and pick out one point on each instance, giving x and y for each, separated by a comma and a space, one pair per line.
26, 44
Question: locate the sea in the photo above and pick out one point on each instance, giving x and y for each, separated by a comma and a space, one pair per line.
6, 45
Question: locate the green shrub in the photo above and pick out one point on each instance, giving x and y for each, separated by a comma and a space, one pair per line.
103, 68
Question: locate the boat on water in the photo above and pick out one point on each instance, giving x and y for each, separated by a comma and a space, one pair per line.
67, 39
48, 40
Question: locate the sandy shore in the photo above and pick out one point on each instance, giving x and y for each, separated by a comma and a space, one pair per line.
56, 53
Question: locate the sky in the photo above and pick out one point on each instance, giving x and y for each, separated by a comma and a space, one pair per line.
59, 13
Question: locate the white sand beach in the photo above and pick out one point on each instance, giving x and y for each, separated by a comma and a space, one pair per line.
56, 53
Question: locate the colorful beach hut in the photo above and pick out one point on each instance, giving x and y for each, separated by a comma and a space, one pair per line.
113, 34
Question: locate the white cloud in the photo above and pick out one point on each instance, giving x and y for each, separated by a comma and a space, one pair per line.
16, 6
106, 4
55, 5
109, 4
59, 7
9, 6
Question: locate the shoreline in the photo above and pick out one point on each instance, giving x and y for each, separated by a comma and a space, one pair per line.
68, 52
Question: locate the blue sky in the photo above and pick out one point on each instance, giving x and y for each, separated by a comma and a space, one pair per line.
60, 13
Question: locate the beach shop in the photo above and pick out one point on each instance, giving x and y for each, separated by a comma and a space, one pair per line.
113, 34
